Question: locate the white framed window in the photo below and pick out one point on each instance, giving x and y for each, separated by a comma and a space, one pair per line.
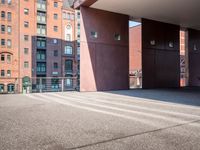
68, 37
55, 41
68, 50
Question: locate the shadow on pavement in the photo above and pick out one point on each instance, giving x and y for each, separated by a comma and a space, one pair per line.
186, 96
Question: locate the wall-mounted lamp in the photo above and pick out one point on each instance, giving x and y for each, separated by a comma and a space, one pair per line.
195, 47
153, 42
171, 44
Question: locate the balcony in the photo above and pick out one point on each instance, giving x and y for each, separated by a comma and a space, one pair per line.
42, 21
41, 47
40, 60
68, 72
41, 72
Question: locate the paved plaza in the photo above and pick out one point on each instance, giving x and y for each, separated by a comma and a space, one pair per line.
115, 120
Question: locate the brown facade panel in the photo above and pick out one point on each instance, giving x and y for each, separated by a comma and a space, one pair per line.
104, 59
160, 54
194, 57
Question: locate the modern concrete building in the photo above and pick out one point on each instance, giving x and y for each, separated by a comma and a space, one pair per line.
38, 39
105, 46
135, 57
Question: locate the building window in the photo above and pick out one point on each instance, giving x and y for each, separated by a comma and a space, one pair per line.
3, 42
3, 1
78, 26
3, 14
55, 53
9, 17
41, 5
55, 16
55, 41
1, 88
26, 24
26, 37
68, 27
26, 64
78, 50
55, 28
41, 29
55, 4
68, 37
41, 17
26, 11
68, 16
2, 57
11, 88
2, 73
94, 34
9, 43
64, 15
3, 28
68, 50
41, 42
9, 29
117, 37
26, 50
8, 58
55, 65
9, 73
78, 15
9, 2
72, 17
41, 67
69, 66
41, 55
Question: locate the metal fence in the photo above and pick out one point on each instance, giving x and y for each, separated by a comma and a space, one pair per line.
135, 82
39, 84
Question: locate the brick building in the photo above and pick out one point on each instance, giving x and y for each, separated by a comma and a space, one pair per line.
39, 39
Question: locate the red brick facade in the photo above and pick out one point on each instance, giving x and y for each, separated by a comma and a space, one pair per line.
24, 36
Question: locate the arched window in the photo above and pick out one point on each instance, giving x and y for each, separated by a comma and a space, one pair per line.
11, 88
68, 27
68, 33
3, 14
1, 88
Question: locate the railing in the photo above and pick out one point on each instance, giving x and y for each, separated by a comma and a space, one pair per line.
135, 79
38, 84
135, 82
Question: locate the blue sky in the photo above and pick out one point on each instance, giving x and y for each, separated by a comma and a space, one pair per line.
132, 23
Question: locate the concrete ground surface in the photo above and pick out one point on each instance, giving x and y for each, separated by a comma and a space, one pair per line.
116, 120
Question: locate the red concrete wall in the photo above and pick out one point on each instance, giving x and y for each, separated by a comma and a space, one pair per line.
194, 57
104, 62
160, 62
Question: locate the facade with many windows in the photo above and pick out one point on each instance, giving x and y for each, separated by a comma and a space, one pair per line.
38, 39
